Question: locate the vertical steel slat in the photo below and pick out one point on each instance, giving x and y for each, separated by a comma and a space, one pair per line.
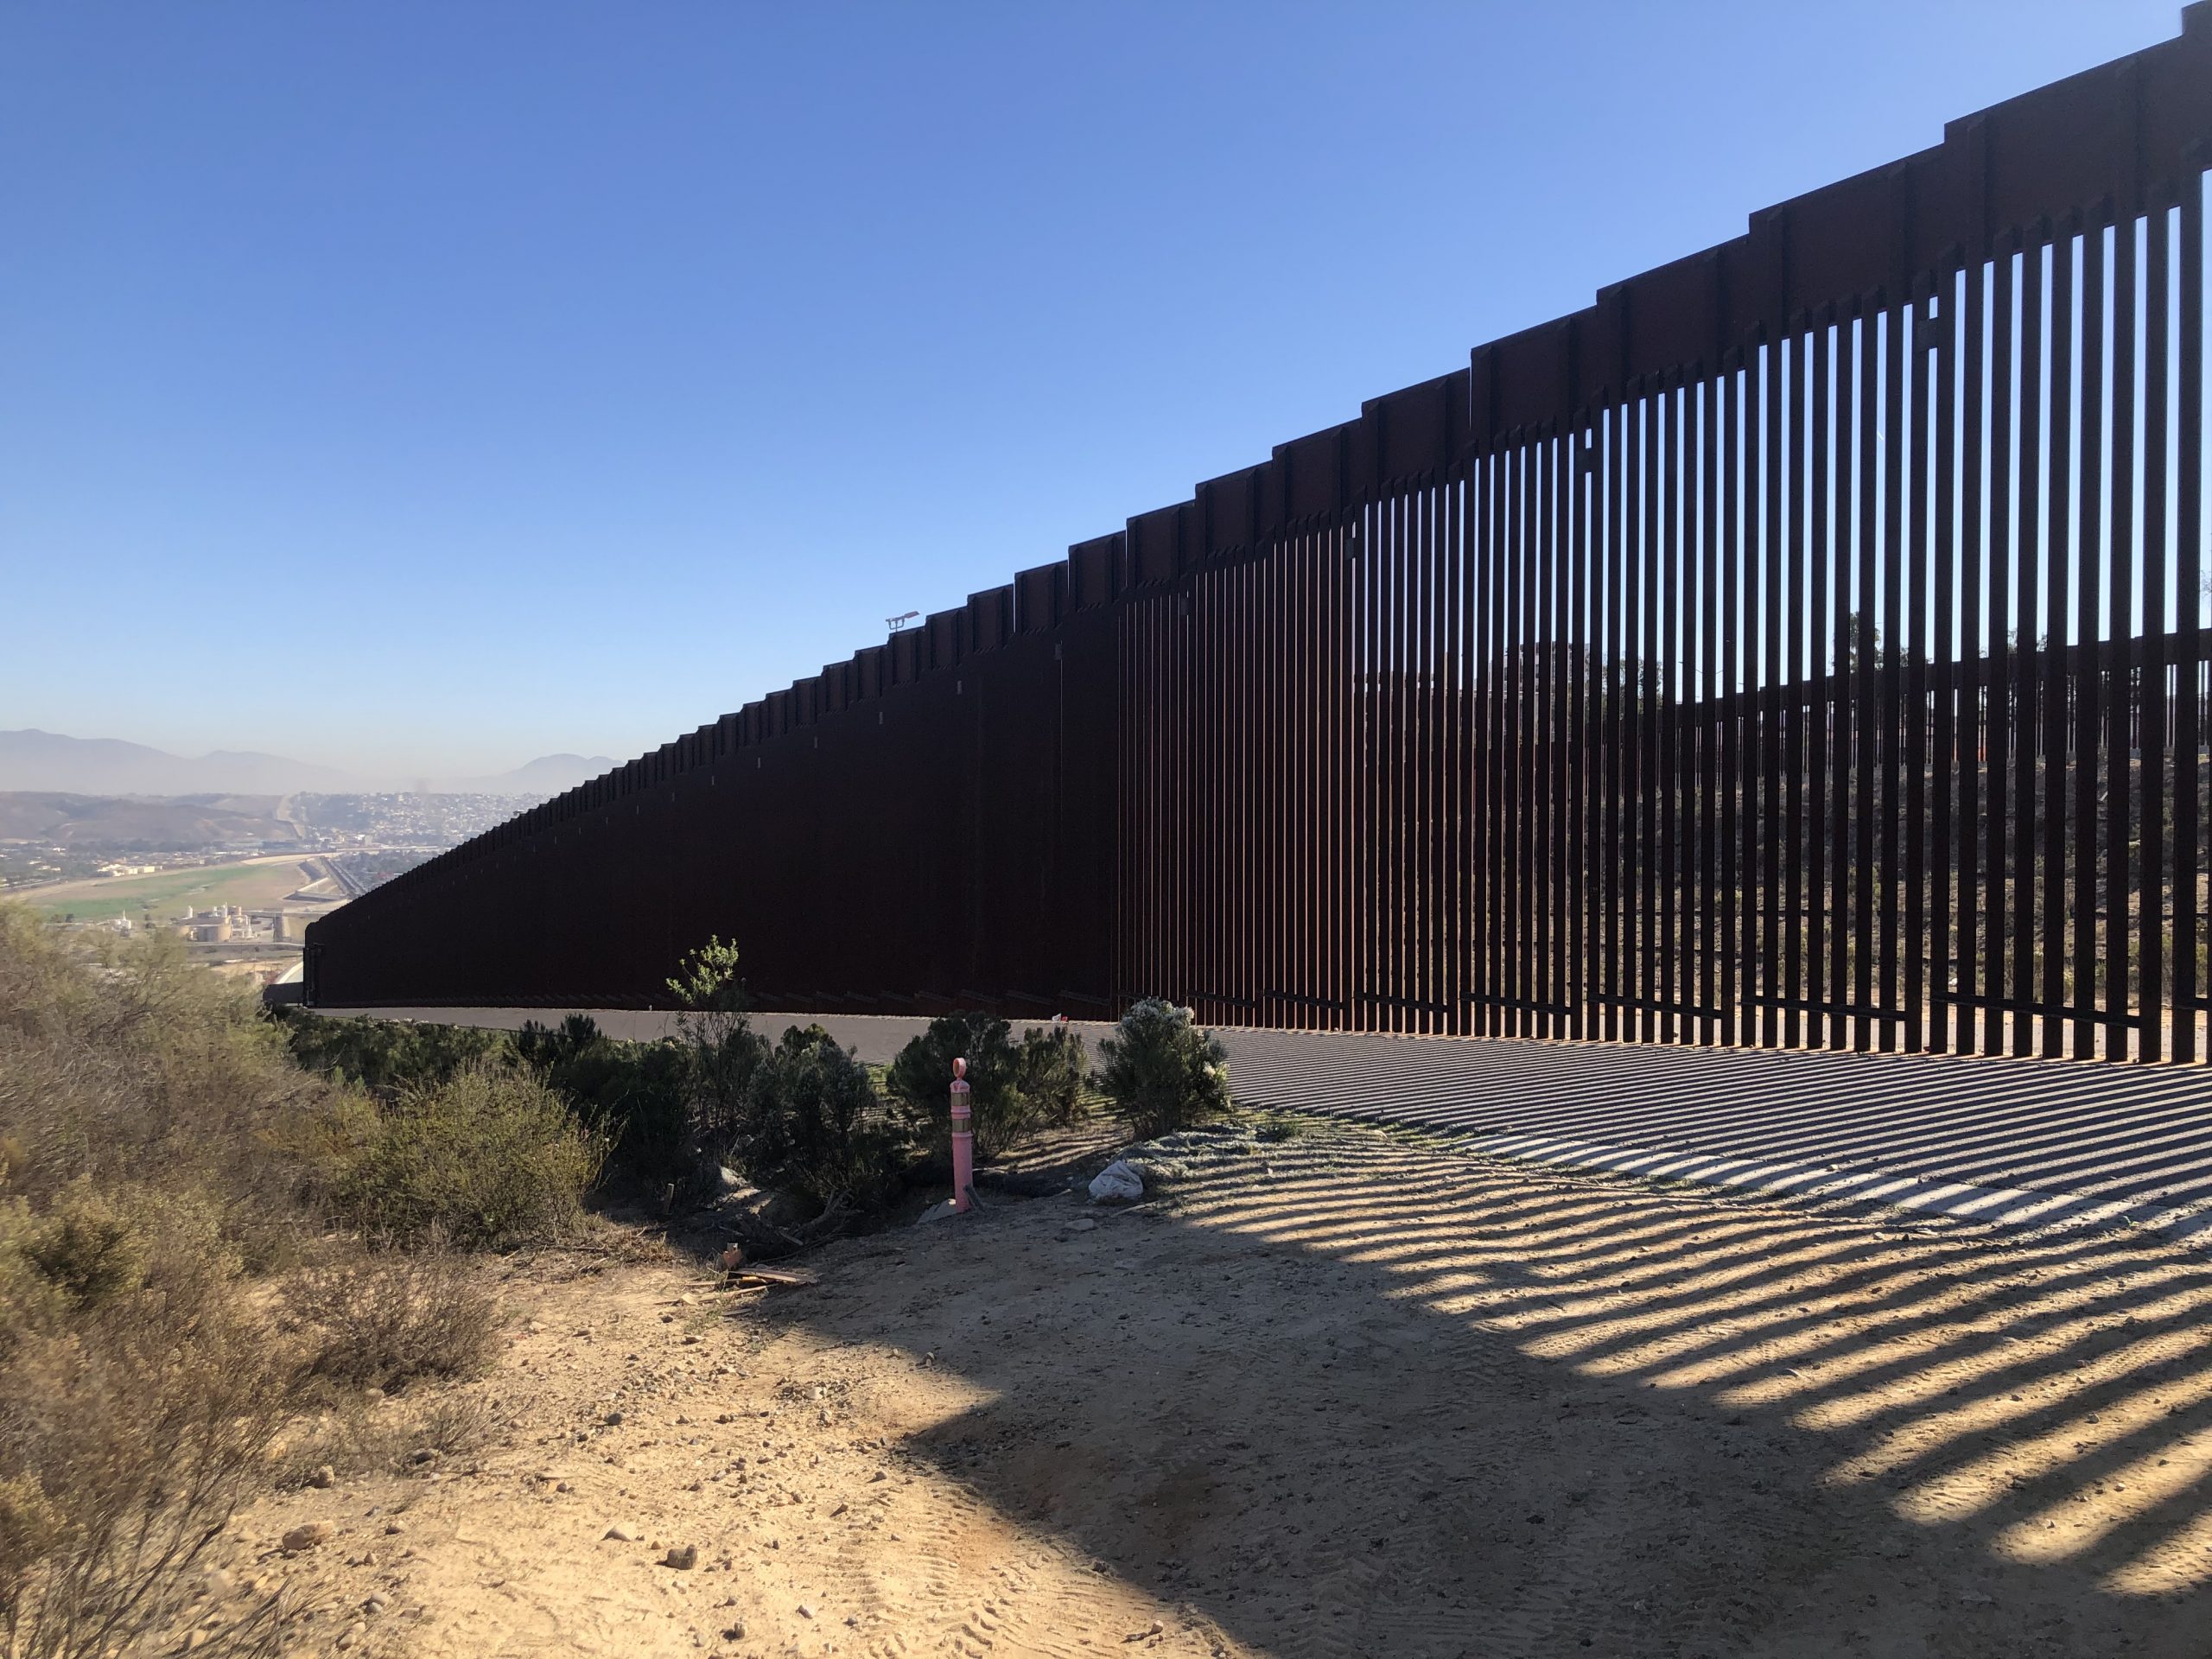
1530, 755
1262, 924
1820, 699
1763, 424
1514, 738
1562, 733
1620, 728
1934, 463
1376, 551
1912, 554
1149, 977
1844, 690
1474, 604
1399, 971
1209, 792
1962, 390
2057, 538
1290, 807
1648, 722
1215, 828
2188, 598
2027, 614
1495, 719
1454, 779
1868, 744
1559, 550
1474, 921
1416, 985
1669, 772
1331, 579
1889, 669
1475, 611
2121, 701
1433, 818
2089, 656
1544, 756
1582, 659
2158, 706
2002, 668
1490, 627
1706, 706
1536, 828
1559, 537
1794, 458
1384, 975
1317, 546
1506, 743
1304, 789
1168, 659
1518, 744
1736, 947
1429, 777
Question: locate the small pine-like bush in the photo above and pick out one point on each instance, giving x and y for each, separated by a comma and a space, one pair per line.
921, 1078
813, 1125
637, 1098
1162, 1071
385, 1055
493, 1156
722, 1050
1050, 1069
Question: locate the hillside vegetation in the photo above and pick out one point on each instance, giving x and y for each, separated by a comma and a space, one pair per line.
226, 1236
200, 1243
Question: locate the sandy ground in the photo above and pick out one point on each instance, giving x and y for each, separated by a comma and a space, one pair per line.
1353, 1392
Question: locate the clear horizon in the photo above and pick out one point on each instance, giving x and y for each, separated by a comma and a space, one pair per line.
420, 393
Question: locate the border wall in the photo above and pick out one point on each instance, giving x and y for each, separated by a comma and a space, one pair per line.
1803, 645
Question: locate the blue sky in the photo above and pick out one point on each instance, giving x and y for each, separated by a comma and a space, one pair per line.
419, 389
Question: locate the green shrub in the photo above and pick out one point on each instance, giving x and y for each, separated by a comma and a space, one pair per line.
157, 1144
723, 1050
636, 1097
1050, 1069
920, 1077
385, 1055
1162, 1071
812, 1124
118, 1058
88, 1248
491, 1156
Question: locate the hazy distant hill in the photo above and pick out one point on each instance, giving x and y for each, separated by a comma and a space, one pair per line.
547, 775
104, 821
34, 759
48, 762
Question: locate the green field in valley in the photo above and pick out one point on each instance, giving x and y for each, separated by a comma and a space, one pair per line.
258, 883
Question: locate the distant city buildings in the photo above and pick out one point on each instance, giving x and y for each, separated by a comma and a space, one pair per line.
344, 845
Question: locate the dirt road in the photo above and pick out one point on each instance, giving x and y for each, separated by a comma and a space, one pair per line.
1350, 1393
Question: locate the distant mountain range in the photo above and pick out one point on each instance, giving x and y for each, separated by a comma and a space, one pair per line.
109, 821
32, 759
547, 775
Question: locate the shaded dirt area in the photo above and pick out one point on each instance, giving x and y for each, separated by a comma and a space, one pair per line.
1348, 1393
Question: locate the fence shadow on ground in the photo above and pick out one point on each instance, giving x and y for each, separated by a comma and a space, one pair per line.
2041, 1140
1389, 1398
